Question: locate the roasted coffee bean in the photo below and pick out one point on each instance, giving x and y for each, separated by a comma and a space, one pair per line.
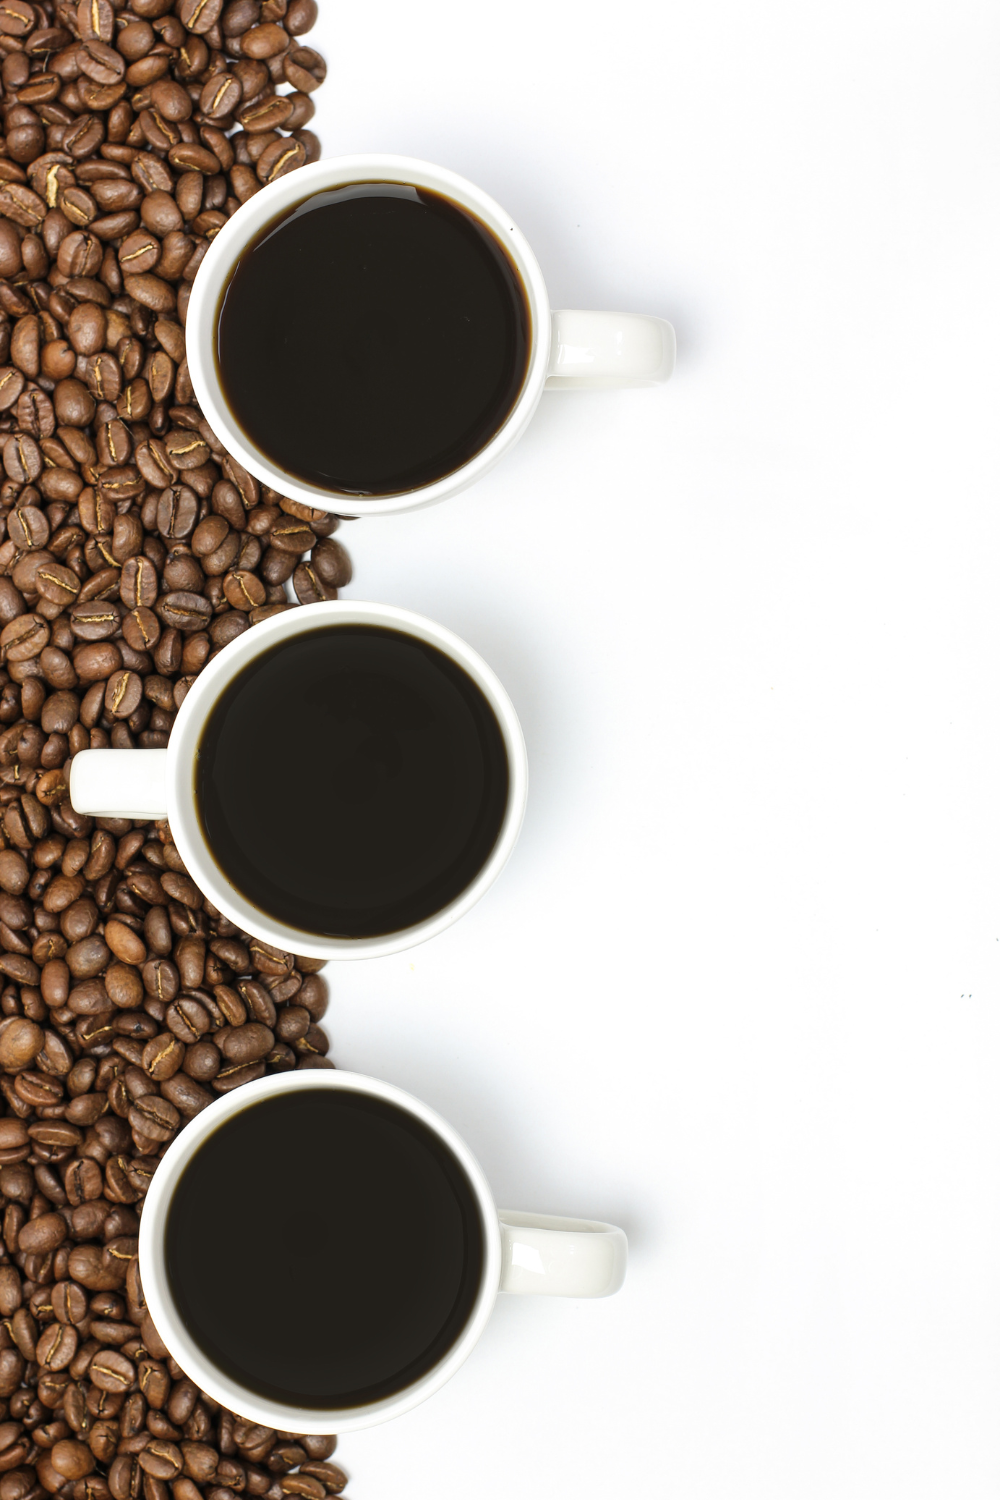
57, 1346
112, 1371
330, 562
27, 526
243, 590
161, 1459
153, 1117
123, 694
309, 587
279, 158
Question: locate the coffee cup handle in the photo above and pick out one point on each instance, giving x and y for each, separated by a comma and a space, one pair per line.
552, 1257
119, 783
591, 350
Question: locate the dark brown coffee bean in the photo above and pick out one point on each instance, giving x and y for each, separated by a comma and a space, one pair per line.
154, 464
100, 62
124, 1475
292, 535
230, 554
177, 512
159, 212
85, 959
330, 562
199, 16
243, 590
22, 460
124, 482
181, 572
303, 1484
187, 1019
234, 1075
86, 328
123, 694
124, 986
19, 204
139, 253
184, 611
161, 1459
11, 385
154, 1117
247, 1044
80, 253
269, 113
97, 662
141, 628
330, 1476
300, 16
74, 404
44, 1233
26, 345
265, 41
57, 584
277, 567
186, 450
185, 1094
151, 291
231, 1005
36, 414
181, 888
95, 620
27, 527
162, 1057
58, 1344
112, 1371
69, 1303
24, 638
309, 586
305, 69
280, 158
139, 585
17, 19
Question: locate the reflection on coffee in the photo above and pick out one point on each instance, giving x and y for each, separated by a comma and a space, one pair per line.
351, 781
373, 339
324, 1248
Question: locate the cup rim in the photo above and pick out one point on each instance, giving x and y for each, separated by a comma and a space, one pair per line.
192, 716
276, 198
170, 1327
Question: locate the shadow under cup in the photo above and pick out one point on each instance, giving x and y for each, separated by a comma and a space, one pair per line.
351, 781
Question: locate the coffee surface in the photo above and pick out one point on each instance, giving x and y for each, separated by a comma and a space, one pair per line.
324, 1248
351, 781
374, 339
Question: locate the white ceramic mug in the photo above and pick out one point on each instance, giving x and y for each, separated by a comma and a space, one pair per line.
568, 349
160, 783
522, 1253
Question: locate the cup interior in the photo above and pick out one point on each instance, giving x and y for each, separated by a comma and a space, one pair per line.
184, 741
275, 200
170, 1325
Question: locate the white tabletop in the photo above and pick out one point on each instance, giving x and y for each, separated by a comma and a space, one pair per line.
738, 988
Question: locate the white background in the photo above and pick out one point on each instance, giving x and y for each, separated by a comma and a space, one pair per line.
738, 988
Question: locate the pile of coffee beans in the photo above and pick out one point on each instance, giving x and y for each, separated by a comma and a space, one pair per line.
132, 548
129, 1004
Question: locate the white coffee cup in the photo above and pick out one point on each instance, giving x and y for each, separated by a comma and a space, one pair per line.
523, 1253
568, 349
160, 783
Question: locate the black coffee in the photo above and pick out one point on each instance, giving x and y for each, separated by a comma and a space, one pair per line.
351, 781
324, 1248
373, 339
